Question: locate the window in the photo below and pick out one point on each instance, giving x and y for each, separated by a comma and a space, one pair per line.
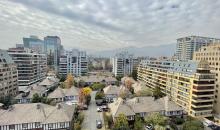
25, 125
50, 125
37, 124
11, 127
62, 124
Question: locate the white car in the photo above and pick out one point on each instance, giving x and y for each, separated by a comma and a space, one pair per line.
99, 109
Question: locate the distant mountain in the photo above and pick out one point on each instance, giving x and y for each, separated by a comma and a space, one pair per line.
154, 51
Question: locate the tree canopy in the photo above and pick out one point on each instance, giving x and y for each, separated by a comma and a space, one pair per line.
157, 93
121, 123
97, 86
69, 81
138, 124
86, 91
193, 124
156, 119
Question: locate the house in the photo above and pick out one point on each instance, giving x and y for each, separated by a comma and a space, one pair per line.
65, 94
89, 80
27, 96
111, 92
120, 107
145, 106
37, 116
50, 82
124, 91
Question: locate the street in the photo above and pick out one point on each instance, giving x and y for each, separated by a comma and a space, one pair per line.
91, 115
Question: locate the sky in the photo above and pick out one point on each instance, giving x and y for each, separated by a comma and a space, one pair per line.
99, 25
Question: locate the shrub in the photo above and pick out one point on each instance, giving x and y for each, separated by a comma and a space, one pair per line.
77, 126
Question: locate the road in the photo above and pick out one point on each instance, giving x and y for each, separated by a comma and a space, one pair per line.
91, 115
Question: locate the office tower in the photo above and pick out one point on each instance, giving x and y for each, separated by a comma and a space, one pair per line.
74, 62
8, 75
212, 55
53, 49
186, 46
34, 43
31, 66
189, 84
123, 64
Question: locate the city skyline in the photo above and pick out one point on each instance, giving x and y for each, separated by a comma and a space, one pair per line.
84, 25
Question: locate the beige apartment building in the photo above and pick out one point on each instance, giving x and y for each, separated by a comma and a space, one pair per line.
211, 54
8, 75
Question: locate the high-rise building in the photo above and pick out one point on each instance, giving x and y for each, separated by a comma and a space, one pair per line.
186, 46
212, 55
52, 46
123, 64
31, 66
189, 84
8, 75
74, 62
34, 43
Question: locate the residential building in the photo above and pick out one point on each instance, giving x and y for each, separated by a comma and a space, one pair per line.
186, 46
53, 49
65, 95
8, 75
31, 66
89, 80
50, 82
111, 93
189, 84
34, 43
144, 106
74, 62
37, 116
123, 64
212, 55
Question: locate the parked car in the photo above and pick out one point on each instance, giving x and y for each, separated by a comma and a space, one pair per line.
99, 109
149, 127
98, 124
105, 108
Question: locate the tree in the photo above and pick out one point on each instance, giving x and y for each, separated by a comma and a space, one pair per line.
36, 98
193, 124
97, 86
119, 77
134, 74
121, 123
86, 91
62, 85
144, 92
99, 95
156, 119
157, 93
138, 124
62, 78
69, 81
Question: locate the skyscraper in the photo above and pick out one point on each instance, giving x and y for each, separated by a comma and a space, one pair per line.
34, 43
52, 47
74, 62
8, 75
186, 46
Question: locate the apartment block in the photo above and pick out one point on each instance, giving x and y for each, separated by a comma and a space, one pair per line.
212, 55
123, 64
189, 84
186, 46
34, 43
74, 62
8, 75
31, 66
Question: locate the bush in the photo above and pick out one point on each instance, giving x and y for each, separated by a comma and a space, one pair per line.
77, 126
99, 95
178, 120
80, 118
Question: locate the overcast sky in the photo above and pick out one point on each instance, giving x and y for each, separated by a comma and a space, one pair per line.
108, 24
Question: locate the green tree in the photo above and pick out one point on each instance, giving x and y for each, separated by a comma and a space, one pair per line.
97, 86
121, 123
134, 74
144, 92
99, 95
193, 124
138, 124
119, 77
156, 119
157, 93
36, 98
62, 78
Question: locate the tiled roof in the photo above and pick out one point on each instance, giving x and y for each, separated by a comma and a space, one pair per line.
36, 112
60, 93
114, 90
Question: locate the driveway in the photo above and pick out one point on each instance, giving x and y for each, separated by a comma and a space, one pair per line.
91, 115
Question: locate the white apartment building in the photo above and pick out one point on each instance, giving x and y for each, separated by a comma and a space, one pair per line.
32, 67
8, 75
186, 46
74, 62
123, 64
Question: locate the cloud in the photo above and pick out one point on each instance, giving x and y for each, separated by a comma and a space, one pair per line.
108, 24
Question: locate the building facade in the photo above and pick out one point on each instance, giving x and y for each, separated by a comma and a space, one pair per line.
123, 64
8, 75
52, 48
34, 43
74, 62
31, 66
189, 84
186, 46
212, 55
